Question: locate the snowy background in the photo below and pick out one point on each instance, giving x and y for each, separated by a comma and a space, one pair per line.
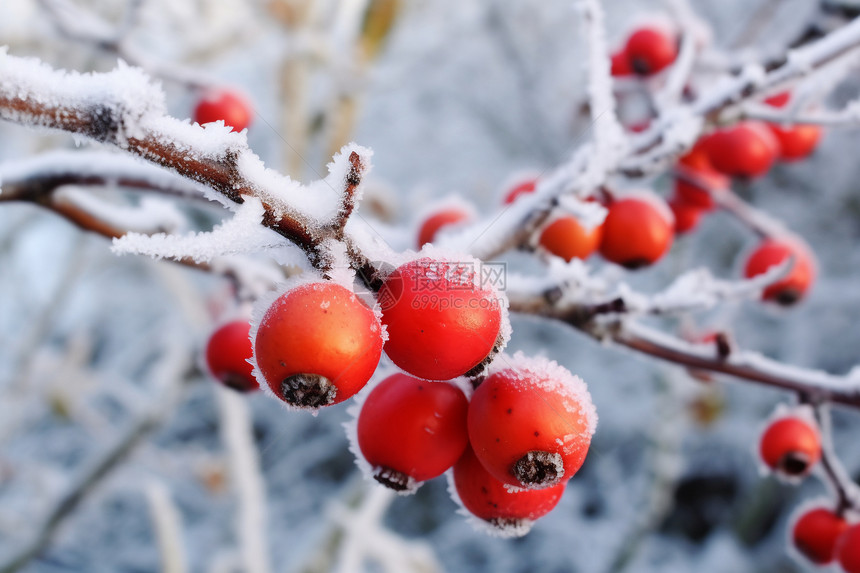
463, 96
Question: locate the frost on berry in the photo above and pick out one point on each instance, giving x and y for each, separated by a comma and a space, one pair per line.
315, 344
531, 422
444, 316
495, 507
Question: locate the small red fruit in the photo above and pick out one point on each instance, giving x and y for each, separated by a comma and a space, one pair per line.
796, 142
512, 513
636, 232
815, 535
227, 353
790, 446
792, 287
520, 189
441, 322
747, 149
531, 424
317, 344
567, 238
686, 215
778, 100
650, 50
620, 64
697, 165
438, 220
848, 550
228, 106
412, 430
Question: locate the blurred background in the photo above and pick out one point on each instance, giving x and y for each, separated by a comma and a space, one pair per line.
114, 443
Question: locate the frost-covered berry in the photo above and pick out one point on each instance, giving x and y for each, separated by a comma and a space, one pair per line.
317, 344
442, 322
511, 513
569, 239
815, 534
227, 353
792, 287
531, 424
225, 105
431, 226
790, 446
848, 550
747, 149
637, 231
797, 141
412, 430
650, 50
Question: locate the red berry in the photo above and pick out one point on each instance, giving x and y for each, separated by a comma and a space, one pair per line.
790, 446
636, 233
317, 345
412, 430
792, 287
796, 142
620, 64
441, 322
697, 165
227, 353
650, 50
531, 424
512, 513
747, 149
848, 549
567, 238
228, 106
438, 220
686, 215
778, 100
815, 535
520, 189
639, 126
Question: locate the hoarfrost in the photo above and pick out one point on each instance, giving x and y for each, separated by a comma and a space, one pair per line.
243, 233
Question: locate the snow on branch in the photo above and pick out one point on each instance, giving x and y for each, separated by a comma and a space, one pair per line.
31, 178
849, 116
613, 320
243, 233
123, 108
656, 144
819, 386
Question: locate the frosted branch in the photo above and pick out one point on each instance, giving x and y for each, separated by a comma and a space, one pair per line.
122, 108
607, 322
237, 435
167, 523
846, 117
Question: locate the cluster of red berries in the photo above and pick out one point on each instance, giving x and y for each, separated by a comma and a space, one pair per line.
647, 51
318, 343
639, 229
511, 448
511, 445
791, 447
747, 149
